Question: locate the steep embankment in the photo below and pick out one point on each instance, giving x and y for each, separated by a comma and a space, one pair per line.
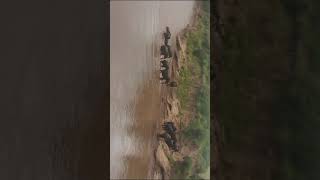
187, 105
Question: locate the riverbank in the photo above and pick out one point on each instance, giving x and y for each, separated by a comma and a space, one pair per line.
188, 104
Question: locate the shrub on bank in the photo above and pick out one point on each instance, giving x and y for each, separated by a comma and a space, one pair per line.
182, 169
197, 68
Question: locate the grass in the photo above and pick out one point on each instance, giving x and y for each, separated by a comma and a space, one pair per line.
198, 51
183, 168
184, 87
197, 69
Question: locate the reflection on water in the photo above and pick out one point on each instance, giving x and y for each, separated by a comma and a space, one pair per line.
134, 108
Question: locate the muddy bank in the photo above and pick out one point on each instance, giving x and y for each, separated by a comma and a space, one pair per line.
146, 109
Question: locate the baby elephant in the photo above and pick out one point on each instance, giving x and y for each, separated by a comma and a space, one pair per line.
165, 75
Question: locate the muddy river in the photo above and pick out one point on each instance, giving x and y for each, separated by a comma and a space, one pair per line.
135, 37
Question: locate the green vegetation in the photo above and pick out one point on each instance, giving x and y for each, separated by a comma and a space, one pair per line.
184, 87
182, 169
198, 51
196, 75
271, 90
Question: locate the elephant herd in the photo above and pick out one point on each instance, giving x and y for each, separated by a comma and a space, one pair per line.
165, 53
169, 128
169, 136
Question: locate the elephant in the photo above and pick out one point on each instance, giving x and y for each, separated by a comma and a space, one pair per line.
167, 34
165, 75
169, 127
172, 144
165, 50
164, 64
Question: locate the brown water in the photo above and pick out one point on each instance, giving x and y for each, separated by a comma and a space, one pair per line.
135, 32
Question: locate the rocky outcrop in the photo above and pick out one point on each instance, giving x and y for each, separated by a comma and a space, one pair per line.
173, 106
181, 49
161, 154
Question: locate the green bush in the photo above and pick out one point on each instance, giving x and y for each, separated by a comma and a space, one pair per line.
198, 67
193, 131
182, 169
184, 87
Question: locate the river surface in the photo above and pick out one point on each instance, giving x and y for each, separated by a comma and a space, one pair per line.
135, 36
